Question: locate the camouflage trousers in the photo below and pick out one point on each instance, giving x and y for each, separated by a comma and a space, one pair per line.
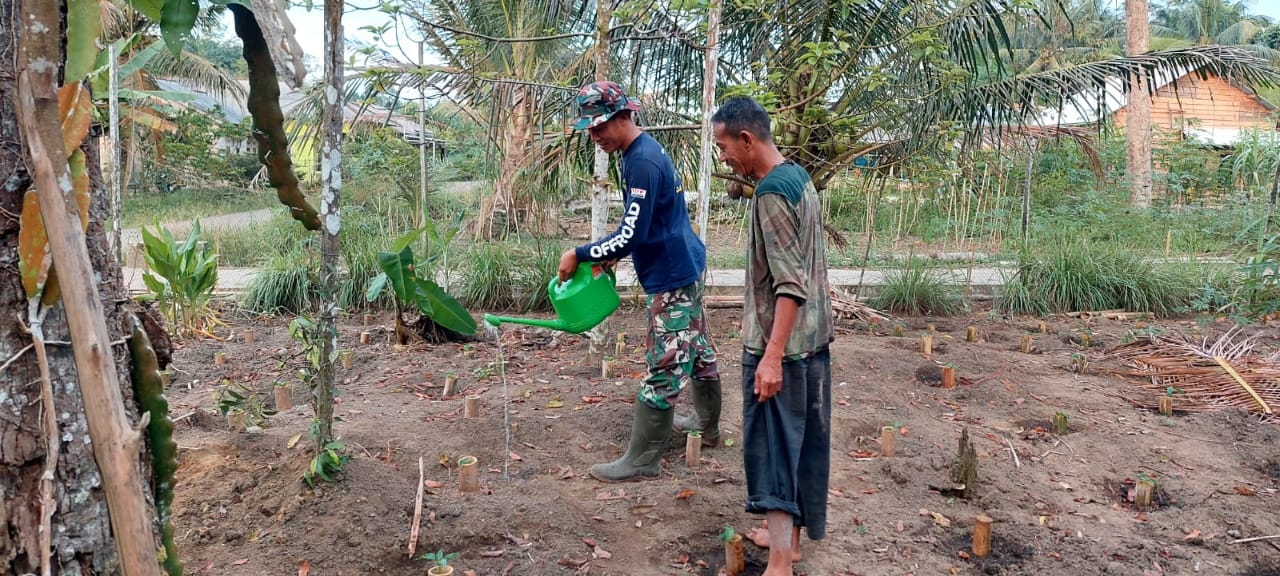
678, 347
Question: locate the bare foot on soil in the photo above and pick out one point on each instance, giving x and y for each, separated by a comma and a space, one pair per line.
760, 537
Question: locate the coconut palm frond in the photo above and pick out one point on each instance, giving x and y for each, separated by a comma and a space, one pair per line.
1086, 86
199, 73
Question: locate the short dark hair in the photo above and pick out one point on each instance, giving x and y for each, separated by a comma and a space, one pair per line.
744, 113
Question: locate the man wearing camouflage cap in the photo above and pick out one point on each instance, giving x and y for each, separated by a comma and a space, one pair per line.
669, 259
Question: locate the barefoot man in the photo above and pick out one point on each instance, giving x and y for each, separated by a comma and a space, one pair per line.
786, 330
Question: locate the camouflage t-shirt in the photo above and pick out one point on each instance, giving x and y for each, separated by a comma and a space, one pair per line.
787, 257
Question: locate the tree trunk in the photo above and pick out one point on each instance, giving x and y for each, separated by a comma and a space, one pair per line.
1138, 122
600, 189
81, 532
331, 171
278, 31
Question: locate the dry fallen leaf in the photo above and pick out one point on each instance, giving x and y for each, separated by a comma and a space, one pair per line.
601, 553
516, 457
1192, 535
244, 561
433, 484
304, 568
685, 494
939, 519
555, 404
1245, 491
293, 441
491, 553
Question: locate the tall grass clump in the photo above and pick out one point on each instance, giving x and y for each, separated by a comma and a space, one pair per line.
489, 277
284, 284
541, 265
1072, 276
918, 290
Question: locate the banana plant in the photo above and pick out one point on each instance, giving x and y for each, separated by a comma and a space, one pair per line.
400, 275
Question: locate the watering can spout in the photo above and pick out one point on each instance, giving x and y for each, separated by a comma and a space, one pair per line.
555, 324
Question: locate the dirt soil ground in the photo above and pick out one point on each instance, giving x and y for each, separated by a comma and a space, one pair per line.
1062, 506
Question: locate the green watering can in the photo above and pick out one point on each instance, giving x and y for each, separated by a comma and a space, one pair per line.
581, 302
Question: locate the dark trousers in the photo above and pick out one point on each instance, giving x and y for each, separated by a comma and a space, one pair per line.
787, 441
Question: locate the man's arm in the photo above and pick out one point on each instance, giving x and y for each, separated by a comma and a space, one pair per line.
644, 179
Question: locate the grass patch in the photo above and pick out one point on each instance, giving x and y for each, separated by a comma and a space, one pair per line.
918, 290
191, 203
1074, 276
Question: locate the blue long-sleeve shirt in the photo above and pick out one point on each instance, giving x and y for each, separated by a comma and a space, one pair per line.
655, 229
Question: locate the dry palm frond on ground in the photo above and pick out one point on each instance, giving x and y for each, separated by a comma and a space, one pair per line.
1196, 373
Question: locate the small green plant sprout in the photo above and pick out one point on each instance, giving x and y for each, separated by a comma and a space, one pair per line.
327, 464
237, 397
1171, 390
726, 533
1144, 478
439, 558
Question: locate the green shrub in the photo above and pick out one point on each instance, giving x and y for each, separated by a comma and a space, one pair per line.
917, 290
1073, 276
489, 277
542, 263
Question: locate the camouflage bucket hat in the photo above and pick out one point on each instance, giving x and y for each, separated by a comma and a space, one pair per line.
600, 101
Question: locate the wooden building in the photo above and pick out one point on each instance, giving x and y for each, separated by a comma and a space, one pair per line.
1212, 109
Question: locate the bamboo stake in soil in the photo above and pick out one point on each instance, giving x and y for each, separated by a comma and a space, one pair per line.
1061, 424
250, 337
450, 385
471, 409
348, 359
982, 536
735, 556
971, 335
1025, 347
1166, 405
693, 449
1142, 497
284, 398
606, 370
219, 359
364, 337
417, 509
368, 318
948, 377
1042, 327
887, 434
926, 344
468, 474
620, 349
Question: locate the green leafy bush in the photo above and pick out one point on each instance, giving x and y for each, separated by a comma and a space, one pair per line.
185, 275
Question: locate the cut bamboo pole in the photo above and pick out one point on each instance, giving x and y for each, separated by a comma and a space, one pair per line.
1025, 347
348, 359
982, 536
1042, 327
735, 556
887, 434
693, 449
364, 337
948, 377
606, 370
417, 508
471, 409
450, 385
1166, 405
1061, 424
468, 474
284, 398
250, 337
1142, 496
219, 359
971, 335
926, 344
620, 349
368, 318
1247, 388
932, 327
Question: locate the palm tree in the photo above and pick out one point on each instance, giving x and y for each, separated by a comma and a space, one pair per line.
1207, 21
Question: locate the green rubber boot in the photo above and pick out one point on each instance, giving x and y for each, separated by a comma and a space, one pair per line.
650, 431
707, 396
